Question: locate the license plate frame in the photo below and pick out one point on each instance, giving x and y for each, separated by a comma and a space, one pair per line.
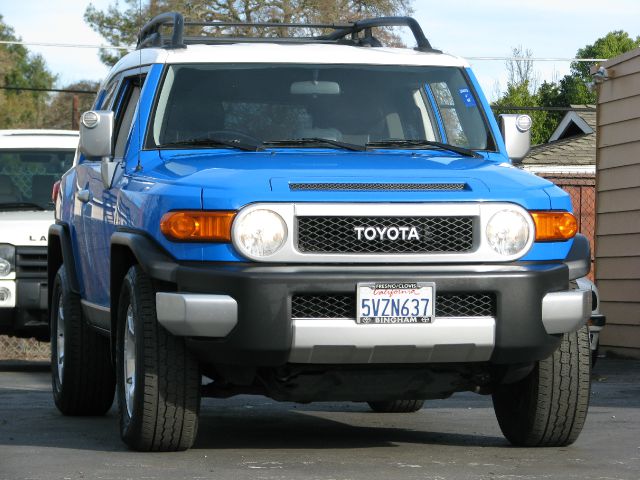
395, 297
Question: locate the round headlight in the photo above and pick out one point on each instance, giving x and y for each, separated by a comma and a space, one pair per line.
508, 232
5, 267
5, 294
259, 233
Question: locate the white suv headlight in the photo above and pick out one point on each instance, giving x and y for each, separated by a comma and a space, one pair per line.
7, 257
259, 233
5, 267
508, 232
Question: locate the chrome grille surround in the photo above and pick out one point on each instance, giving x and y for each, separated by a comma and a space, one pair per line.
480, 250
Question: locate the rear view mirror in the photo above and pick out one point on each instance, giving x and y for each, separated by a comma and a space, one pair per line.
516, 132
96, 133
315, 87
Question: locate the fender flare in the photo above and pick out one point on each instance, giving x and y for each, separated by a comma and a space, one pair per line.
60, 252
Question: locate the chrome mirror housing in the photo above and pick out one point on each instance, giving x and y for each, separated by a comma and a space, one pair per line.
516, 132
96, 134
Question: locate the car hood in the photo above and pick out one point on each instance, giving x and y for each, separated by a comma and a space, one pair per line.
233, 179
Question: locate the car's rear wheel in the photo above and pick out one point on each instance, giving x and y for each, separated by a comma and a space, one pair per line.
158, 378
397, 406
82, 376
549, 406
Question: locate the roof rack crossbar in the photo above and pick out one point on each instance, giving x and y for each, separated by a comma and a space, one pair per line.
230, 39
150, 34
269, 24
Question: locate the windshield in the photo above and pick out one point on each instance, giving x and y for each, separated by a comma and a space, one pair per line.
27, 177
354, 104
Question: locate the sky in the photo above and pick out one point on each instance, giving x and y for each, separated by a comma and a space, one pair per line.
467, 28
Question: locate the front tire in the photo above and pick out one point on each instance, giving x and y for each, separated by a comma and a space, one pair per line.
82, 376
158, 378
397, 406
548, 408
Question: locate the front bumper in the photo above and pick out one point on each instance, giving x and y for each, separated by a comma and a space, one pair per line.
24, 313
242, 314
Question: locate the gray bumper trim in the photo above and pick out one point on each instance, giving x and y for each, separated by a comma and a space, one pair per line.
197, 315
469, 339
564, 312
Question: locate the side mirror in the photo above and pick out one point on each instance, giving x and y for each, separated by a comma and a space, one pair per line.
516, 132
96, 134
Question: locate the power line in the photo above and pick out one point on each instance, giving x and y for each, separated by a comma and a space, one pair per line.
493, 107
545, 109
63, 45
538, 59
57, 90
131, 47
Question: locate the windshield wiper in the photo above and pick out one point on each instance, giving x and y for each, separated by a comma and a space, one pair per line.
316, 141
212, 140
399, 142
21, 206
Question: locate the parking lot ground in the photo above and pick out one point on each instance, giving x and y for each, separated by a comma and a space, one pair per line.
249, 437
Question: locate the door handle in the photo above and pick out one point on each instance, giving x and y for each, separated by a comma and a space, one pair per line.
83, 195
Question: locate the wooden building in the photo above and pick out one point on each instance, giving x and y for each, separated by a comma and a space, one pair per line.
617, 264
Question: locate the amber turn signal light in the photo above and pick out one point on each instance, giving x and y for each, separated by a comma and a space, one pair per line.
197, 226
554, 226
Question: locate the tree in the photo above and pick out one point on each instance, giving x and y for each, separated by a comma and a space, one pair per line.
574, 86
520, 72
521, 92
19, 68
572, 89
120, 27
65, 107
611, 45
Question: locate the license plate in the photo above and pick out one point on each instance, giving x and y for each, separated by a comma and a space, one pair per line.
397, 302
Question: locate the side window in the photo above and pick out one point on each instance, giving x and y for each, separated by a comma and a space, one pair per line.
105, 98
450, 120
125, 108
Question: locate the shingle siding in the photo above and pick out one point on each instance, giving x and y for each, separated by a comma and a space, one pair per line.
618, 209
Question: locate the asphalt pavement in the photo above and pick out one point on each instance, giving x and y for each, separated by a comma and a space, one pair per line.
253, 437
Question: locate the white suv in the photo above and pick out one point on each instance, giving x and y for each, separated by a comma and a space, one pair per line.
31, 161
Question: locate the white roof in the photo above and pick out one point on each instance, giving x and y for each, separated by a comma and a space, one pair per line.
306, 53
37, 139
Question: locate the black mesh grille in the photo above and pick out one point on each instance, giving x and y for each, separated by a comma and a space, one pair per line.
465, 305
340, 234
344, 306
387, 187
31, 262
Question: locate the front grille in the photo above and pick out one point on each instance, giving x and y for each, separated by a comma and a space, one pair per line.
344, 306
377, 187
31, 262
340, 234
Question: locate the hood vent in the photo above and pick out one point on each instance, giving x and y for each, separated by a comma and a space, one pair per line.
377, 187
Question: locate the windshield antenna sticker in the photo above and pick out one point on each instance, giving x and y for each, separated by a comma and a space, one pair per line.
467, 98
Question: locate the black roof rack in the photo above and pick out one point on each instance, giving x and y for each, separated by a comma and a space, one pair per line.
345, 33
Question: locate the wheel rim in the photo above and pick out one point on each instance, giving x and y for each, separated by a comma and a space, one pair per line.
129, 361
60, 342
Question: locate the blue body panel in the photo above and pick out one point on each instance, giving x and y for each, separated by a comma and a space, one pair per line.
154, 182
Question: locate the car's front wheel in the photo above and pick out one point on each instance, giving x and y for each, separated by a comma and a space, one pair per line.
549, 406
158, 378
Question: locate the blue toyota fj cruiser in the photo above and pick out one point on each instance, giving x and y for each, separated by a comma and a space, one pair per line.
310, 218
